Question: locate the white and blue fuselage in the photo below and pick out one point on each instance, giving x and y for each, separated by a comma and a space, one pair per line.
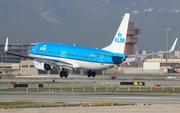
79, 57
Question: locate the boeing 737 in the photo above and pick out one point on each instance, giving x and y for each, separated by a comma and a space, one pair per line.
63, 57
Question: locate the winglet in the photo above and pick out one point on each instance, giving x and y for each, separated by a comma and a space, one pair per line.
173, 46
6, 45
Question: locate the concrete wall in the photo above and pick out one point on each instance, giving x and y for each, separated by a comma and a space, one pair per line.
151, 65
132, 70
10, 65
140, 71
10, 68
27, 68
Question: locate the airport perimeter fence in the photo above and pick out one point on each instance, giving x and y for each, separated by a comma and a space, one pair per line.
117, 89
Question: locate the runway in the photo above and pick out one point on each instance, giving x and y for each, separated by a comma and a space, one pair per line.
89, 97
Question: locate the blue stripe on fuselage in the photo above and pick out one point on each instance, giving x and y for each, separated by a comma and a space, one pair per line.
76, 53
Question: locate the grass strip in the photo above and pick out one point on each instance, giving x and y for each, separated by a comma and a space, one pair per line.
21, 104
154, 90
25, 104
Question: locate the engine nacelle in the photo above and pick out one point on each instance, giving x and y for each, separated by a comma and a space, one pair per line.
41, 66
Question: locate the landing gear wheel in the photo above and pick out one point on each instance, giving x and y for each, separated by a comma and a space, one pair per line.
61, 74
93, 74
89, 73
65, 74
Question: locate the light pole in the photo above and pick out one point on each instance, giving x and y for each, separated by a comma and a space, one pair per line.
167, 29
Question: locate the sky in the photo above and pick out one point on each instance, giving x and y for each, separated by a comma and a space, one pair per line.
88, 23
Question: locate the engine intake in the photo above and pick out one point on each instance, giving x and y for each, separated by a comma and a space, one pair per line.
47, 67
42, 66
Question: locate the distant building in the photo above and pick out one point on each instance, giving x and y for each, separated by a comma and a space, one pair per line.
172, 65
177, 54
27, 68
18, 48
10, 68
161, 56
10, 64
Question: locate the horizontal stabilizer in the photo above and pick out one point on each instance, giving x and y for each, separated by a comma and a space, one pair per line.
132, 59
172, 49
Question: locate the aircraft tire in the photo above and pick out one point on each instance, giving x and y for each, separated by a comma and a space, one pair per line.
89, 73
61, 74
93, 74
65, 74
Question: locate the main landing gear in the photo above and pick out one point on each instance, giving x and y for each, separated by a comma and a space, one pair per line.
91, 73
63, 73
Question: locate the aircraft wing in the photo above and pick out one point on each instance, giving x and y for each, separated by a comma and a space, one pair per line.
55, 63
51, 62
138, 55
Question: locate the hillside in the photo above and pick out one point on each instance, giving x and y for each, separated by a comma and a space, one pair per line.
90, 23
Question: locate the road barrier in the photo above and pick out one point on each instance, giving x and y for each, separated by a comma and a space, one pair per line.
114, 77
14, 82
20, 85
133, 83
126, 83
40, 85
158, 85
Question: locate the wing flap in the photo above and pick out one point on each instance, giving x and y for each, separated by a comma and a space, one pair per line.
108, 55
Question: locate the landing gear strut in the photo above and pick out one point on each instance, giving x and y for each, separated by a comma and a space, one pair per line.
63, 73
91, 73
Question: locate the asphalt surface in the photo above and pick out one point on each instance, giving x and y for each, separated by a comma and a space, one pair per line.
88, 97
167, 108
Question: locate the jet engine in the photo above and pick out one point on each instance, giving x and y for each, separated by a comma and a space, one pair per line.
42, 66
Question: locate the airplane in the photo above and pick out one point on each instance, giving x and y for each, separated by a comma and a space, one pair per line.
63, 57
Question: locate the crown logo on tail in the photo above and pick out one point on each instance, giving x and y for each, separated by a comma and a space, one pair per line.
119, 34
